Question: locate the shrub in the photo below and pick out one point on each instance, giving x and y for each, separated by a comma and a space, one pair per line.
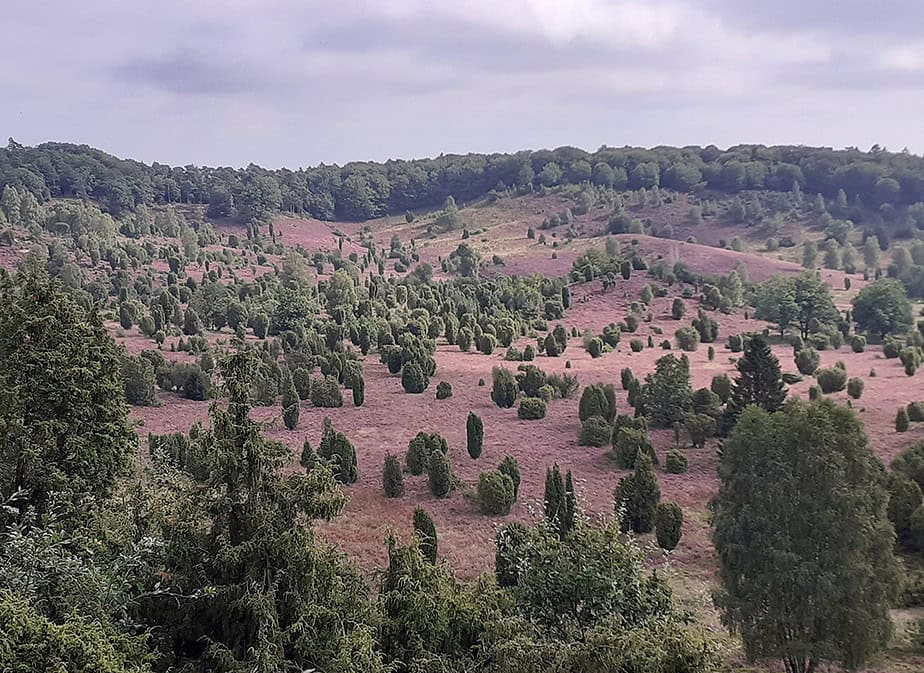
301, 377
505, 388
443, 390
675, 462
196, 385
831, 380
858, 343
891, 348
340, 453
855, 388
668, 521
487, 343
419, 449
595, 347
807, 361
593, 402
629, 444
595, 431
565, 385
791, 378
308, 459
425, 531
678, 308
511, 468
290, 402
138, 380
636, 345
736, 343
359, 391
814, 392
636, 498
474, 431
392, 478
722, 386
901, 420
413, 380
495, 493
439, 474
699, 427
326, 393
916, 411
687, 338
531, 409
529, 353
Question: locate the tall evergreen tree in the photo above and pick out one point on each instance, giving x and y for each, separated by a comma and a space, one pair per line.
804, 543
637, 497
63, 418
554, 498
474, 434
759, 382
290, 400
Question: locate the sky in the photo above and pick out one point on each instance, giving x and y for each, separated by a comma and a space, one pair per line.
300, 82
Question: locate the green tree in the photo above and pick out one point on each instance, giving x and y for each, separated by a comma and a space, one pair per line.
63, 418
882, 307
439, 474
138, 380
667, 394
359, 391
413, 379
636, 497
759, 382
425, 530
807, 568
668, 525
392, 477
511, 468
504, 389
474, 434
495, 493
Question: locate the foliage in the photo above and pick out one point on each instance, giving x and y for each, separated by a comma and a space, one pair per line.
831, 379
413, 379
504, 390
807, 360
559, 501
511, 468
443, 390
326, 393
667, 395
290, 401
759, 382
675, 462
844, 580
855, 387
668, 522
495, 493
474, 434
425, 531
439, 474
392, 477
882, 307
636, 497
630, 444
595, 431
63, 427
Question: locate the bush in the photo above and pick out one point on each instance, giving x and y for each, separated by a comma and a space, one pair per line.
636, 498
807, 361
629, 444
916, 411
413, 380
326, 393
301, 377
531, 409
197, 385
474, 431
595, 347
831, 380
505, 388
687, 338
675, 462
722, 386
855, 388
392, 478
901, 420
668, 521
636, 345
858, 343
511, 468
138, 380
891, 348
495, 493
736, 343
814, 392
443, 390
425, 531
595, 431
564, 385
791, 378
699, 427
439, 474
359, 391
593, 403
529, 353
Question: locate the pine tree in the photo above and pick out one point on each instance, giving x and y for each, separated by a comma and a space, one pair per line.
474, 431
759, 382
290, 400
637, 497
667, 395
425, 530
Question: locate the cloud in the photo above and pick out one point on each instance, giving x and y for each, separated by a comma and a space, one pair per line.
297, 82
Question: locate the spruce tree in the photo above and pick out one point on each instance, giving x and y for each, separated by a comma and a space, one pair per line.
425, 530
290, 400
474, 432
667, 395
759, 382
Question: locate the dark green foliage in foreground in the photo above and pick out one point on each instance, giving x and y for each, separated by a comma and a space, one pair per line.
63, 426
843, 581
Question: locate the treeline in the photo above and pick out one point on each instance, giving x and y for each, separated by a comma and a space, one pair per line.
364, 190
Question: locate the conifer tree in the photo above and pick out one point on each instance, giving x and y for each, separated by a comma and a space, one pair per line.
425, 530
392, 477
759, 382
637, 497
474, 433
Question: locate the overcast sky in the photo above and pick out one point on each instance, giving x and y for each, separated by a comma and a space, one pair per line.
298, 82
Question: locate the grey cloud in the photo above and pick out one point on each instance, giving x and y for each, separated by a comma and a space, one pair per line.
185, 72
